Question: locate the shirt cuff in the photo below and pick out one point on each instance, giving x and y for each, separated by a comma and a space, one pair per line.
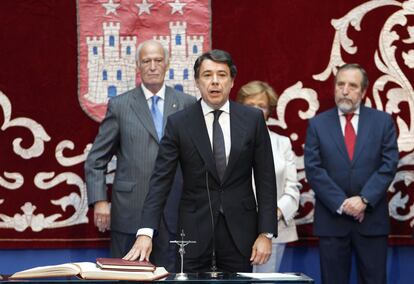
340, 209
146, 232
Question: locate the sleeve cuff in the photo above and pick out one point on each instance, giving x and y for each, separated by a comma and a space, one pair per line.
146, 232
340, 209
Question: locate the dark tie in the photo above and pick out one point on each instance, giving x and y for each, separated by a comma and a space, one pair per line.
350, 136
219, 149
156, 115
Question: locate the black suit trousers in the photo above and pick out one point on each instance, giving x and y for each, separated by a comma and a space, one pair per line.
228, 256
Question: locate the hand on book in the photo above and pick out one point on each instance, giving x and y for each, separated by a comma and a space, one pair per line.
141, 249
119, 264
101, 215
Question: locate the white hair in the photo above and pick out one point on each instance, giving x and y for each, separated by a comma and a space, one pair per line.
152, 41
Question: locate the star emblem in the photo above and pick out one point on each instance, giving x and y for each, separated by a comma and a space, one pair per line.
110, 7
144, 7
177, 7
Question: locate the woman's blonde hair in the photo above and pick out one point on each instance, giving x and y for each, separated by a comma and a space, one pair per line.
256, 87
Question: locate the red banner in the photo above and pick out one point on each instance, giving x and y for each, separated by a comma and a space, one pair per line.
110, 32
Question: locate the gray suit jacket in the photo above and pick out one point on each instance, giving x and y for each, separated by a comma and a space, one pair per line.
128, 132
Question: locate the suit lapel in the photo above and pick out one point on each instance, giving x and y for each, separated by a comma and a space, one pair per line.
336, 133
170, 104
237, 133
363, 132
198, 133
141, 109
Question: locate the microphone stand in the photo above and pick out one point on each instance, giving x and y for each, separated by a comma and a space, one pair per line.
214, 273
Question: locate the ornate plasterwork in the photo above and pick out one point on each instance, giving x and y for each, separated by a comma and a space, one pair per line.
295, 92
39, 134
30, 217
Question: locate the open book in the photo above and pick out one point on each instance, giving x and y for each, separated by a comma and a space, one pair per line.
124, 265
89, 270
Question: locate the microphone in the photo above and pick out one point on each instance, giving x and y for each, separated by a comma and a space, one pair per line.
214, 273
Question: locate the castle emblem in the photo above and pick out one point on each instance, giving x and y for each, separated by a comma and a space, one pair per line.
111, 63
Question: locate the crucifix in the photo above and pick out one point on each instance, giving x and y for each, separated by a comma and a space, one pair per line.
181, 244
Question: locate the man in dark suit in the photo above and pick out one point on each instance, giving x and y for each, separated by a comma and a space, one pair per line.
351, 156
131, 131
218, 144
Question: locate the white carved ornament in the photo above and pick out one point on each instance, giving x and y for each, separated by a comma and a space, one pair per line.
14, 181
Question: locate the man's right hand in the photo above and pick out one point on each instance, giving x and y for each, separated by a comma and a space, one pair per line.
102, 215
141, 249
354, 207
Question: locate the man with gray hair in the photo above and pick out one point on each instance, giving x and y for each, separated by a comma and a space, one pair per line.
131, 131
351, 157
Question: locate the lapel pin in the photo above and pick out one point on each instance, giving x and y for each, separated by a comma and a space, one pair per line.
174, 106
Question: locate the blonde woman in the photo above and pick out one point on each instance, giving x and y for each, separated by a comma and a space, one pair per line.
260, 95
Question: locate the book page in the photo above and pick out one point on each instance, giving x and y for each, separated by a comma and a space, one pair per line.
92, 272
66, 269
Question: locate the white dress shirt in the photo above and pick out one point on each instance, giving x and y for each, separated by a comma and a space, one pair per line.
354, 120
224, 121
148, 95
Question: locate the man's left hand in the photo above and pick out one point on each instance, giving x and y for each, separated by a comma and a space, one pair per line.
360, 217
261, 251
354, 206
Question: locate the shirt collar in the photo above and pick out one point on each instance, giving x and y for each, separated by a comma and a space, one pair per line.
208, 109
148, 94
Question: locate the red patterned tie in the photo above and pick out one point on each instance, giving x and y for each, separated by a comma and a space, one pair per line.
350, 136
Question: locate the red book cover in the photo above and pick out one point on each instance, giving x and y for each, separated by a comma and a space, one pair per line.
121, 264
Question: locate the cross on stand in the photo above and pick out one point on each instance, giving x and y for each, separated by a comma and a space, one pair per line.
181, 244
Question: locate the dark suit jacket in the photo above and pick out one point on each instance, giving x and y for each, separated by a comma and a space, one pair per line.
128, 132
333, 177
186, 140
